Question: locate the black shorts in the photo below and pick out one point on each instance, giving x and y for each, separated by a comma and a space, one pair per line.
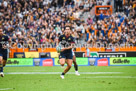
4, 54
66, 55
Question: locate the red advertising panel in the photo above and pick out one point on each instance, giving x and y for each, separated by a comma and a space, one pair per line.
47, 62
102, 62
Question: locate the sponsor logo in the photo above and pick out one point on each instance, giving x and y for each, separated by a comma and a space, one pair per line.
123, 61
45, 55
63, 38
48, 62
32, 54
79, 61
19, 62
93, 54
69, 39
112, 54
19, 55
92, 61
36, 62
102, 62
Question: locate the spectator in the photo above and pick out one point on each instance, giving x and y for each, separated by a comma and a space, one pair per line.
42, 21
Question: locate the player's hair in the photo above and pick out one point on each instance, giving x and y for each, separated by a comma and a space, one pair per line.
68, 26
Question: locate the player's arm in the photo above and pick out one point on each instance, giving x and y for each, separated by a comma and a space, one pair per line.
9, 40
60, 39
71, 46
57, 44
5, 46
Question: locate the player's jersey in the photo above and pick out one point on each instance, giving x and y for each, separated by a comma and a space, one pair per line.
3, 41
66, 42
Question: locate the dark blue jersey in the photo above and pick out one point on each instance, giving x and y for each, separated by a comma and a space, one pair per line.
3, 41
66, 42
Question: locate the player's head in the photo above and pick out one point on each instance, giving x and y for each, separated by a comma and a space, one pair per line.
67, 30
1, 31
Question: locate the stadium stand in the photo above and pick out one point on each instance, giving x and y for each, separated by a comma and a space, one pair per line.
35, 22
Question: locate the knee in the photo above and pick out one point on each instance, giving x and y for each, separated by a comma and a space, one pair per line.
62, 64
70, 65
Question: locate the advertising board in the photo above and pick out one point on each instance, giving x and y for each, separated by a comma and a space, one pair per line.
124, 61
19, 62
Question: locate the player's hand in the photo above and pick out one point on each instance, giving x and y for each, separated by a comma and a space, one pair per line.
62, 49
4, 46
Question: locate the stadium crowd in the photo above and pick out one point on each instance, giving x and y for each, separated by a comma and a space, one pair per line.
118, 28
42, 21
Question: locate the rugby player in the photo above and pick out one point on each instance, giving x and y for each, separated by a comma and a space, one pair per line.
4, 39
66, 41
75, 64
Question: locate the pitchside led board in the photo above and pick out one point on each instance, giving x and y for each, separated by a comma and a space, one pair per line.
43, 61
98, 61
123, 61
19, 62
107, 9
80, 62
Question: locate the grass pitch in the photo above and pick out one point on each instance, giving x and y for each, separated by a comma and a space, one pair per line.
92, 78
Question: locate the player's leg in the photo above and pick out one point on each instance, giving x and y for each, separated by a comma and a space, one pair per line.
62, 58
5, 56
69, 61
75, 65
1, 66
62, 61
69, 65
4, 62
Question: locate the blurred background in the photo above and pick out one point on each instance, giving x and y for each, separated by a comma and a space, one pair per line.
104, 25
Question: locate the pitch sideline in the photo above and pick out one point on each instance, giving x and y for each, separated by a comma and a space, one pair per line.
60, 73
6, 88
110, 77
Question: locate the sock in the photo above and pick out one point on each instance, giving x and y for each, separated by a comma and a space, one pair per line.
76, 71
63, 73
76, 67
1, 68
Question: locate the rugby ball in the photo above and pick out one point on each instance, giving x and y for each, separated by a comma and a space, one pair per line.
58, 48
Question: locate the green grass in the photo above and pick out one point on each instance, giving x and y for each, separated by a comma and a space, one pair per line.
84, 82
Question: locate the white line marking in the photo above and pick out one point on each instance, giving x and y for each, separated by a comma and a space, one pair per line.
6, 88
61, 72
110, 77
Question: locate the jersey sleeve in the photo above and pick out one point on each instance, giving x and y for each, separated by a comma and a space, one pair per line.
60, 38
6, 38
72, 40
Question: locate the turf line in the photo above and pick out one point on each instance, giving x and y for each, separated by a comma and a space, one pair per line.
61, 72
110, 77
6, 88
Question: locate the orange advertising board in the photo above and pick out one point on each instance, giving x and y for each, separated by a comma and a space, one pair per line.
107, 9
